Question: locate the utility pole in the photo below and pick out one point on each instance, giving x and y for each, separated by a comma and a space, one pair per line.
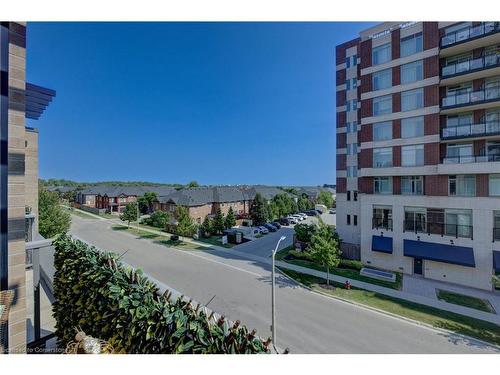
273, 299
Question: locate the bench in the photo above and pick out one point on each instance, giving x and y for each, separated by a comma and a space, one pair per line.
378, 274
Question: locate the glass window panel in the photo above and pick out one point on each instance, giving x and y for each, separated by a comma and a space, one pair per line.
412, 155
412, 72
382, 105
413, 99
381, 54
411, 45
412, 127
382, 157
382, 79
382, 131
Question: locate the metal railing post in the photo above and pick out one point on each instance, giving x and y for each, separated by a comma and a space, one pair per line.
36, 292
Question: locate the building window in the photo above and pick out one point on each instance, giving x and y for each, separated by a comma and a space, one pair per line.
412, 72
351, 61
459, 153
351, 83
494, 185
496, 225
412, 127
352, 127
352, 105
348, 195
382, 105
381, 54
355, 196
382, 79
382, 217
412, 156
462, 185
415, 219
352, 171
355, 219
348, 219
411, 100
412, 185
458, 223
352, 148
382, 157
382, 185
382, 131
411, 44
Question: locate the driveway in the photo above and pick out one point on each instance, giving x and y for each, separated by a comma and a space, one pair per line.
264, 245
240, 289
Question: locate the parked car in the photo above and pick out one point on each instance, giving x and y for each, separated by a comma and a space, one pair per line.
332, 211
298, 217
311, 213
284, 221
276, 224
303, 215
292, 220
270, 227
263, 230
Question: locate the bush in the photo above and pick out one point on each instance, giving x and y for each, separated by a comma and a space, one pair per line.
158, 219
352, 264
98, 295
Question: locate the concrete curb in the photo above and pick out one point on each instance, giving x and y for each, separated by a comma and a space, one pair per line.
395, 316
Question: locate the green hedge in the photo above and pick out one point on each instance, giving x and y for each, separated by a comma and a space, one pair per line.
98, 295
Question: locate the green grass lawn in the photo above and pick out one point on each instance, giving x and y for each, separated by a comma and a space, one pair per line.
438, 318
463, 300
78, 213
215, 240
158, 239
344, 272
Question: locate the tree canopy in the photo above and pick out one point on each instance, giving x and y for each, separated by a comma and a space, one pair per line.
218, 224
185, 225
325, 198
52, 218
324, 248
129, 213
158, 219
259, 210
146, 202
230, 220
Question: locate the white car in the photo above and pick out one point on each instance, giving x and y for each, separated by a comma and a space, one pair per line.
298, 217
263, 230
303, 215
292, 219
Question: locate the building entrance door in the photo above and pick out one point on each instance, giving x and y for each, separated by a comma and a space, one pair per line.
417, 266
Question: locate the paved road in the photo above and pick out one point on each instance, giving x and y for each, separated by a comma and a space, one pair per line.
306, 322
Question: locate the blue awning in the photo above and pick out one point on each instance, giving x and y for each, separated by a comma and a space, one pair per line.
37, 100
496, 261
382, 244
461, 255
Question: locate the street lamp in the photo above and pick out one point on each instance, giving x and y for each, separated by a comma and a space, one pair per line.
273, 324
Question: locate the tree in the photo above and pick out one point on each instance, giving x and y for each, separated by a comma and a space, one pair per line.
129, 213
259, 210
146, 202
325, 198
193, 184
158, 219
304, 204
219, 224
304, 232
53, 219
230, 220
324, 248
207, 226
185, 225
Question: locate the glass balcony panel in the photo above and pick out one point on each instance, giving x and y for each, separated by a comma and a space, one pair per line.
469, 33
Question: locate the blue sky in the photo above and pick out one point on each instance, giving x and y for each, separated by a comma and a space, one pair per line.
220, 103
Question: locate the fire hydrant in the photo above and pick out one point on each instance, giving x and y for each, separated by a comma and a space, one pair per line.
347, 284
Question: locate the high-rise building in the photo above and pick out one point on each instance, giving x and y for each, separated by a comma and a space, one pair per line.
18, 192
418, 149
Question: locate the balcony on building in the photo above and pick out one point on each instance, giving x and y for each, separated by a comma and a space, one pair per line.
439, 228
460, 100
480, 129
469, 37
469, 164
469, 69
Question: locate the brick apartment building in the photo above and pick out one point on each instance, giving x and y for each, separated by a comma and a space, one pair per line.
418, 149
18, 188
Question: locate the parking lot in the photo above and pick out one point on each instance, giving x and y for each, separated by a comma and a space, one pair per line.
263, 246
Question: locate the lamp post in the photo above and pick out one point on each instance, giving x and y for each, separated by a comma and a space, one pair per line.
273, 321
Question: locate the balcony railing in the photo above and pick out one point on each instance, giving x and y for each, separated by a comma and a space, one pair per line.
471, 65
469, 32
464, 159
378, 223
471, 130
471, 97
442, 229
